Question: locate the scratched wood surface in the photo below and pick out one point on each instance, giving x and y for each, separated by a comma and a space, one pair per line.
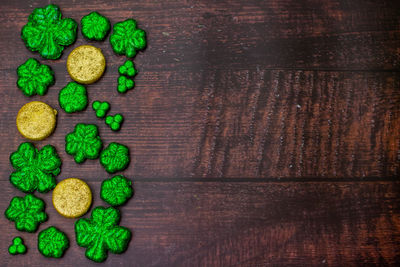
261, 132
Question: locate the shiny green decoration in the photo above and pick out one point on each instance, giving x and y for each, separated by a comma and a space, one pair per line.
73, 97
52, 242
34, 78
47, 32
101, 233
35, 169
127, 39
101, 108
116, 191
84, 142
115, 122
125, 84
95, 26
27, 213
128, 69
17, 246
115, 157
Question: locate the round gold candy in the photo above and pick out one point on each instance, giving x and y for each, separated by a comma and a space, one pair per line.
36, 120
72, 197
86, 64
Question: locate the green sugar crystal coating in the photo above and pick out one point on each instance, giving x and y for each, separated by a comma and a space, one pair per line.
34, 78
52, 242
17, 246
128, 69
125, 84
47, 32
35, 169
127, 39
95, 26
115, 157
101, 233
115, 122
73, 97
116, 191
101, 108
27, 213
84, 142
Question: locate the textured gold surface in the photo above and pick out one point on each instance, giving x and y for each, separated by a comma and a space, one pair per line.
72, 197
86, 64
36, 120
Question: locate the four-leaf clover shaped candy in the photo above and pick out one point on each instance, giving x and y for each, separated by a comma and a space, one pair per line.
125, 84
17, 246
95, 26
73, 97
101, 108
128, 69
34, 78
116, 191
101, 233
47, 32
127, 39
52, 242
115, 157
115, 122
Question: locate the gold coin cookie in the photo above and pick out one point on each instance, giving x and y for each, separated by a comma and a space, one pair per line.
72, 197
86, 64
36, 120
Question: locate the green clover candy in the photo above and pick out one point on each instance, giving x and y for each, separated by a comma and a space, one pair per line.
116, 191
34, 78
127, 39
95, 26
27, 213
125, 84
128, 69
115, 122
35, 170
73, 97
47, 32
52, 242
101, 233
84, 142
101, 108
115, 157
17, 247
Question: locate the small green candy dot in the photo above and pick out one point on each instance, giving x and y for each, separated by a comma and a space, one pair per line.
128, 69
115, 122
21, 249
17, 246
125, 84
100, 108
12, 249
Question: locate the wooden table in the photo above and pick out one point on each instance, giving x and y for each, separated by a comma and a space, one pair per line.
261, 132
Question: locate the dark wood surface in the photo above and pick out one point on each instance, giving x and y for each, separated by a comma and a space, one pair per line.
261, 132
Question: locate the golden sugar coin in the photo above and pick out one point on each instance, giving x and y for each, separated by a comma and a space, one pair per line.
36, 120
72, 197
86, 64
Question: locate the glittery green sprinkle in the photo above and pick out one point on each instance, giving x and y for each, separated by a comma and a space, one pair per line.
84, 142
17, 246
117, 190
125, 84
34, 78
52, 242
35, 169
27, 213
101, 108
115, 122
73, 97
101, 233
128, 69
47, 32
127, 39
95, 26
115, 157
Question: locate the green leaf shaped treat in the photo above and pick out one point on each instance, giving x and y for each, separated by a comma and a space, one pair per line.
128, 69
47, 32
73, 97
127, 39
27, 213
35, 170
115, 122
125, 84
95, 26
84, 142
101, 233
115, 157
17, 247
116, 191
52, 242
101, 108
34, 78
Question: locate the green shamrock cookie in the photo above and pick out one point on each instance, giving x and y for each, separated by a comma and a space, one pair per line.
35, 169
84, 142
101, 108
115, 157
127, 39
128, 69
116, 191
47, 32
95, 26
34, 78
27, 213
101, 233
17, 247
73, 97
125, 84
115, 121
52, 242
